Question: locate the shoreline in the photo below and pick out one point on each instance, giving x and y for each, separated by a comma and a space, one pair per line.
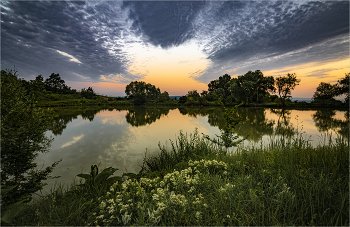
75, 103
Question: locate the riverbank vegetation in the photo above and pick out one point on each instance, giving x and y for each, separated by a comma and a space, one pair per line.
196, 182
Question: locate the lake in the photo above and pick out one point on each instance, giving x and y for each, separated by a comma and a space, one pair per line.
119, 137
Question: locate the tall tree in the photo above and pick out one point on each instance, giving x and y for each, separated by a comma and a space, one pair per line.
37, 87
251, 87
264, 85
221, 84
38, 83
242, 89
142, 91
285, 85
152, 92
213, 85
343, 87
55, 84
325, 93
23, 128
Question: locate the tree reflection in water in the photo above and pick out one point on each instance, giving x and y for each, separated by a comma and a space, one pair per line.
325, 121
194, 111
254, 120
140, 116
65, 115
284, 127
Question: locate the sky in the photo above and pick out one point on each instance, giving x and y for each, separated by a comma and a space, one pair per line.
177, 46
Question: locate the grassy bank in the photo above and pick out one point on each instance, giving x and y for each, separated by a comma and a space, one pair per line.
194, 182
55, 100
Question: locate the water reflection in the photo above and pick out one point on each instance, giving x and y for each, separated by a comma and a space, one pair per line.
119, 137
284, 125
195, 111
326, 120
63, 116
141, 116
254, 120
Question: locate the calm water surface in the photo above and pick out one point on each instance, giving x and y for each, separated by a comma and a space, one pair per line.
120, 137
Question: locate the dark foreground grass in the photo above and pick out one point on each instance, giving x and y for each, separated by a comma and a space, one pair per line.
196, 183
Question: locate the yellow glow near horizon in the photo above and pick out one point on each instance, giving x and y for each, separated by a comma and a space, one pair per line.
101, 88
172, 70
308, 84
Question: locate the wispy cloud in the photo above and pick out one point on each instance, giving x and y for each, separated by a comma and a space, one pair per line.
70, 56
321, 73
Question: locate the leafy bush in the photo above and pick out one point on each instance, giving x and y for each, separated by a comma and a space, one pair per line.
88, 93
23, 128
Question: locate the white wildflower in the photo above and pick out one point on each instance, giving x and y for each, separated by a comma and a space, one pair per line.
102, 205
191, 189
198, 215
155, 197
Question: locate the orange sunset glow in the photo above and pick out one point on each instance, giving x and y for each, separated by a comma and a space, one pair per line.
177, 76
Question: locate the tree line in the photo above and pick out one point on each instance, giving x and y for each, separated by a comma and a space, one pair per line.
250, 88
54, 84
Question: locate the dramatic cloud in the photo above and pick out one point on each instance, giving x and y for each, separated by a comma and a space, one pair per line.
167, 23
118, 42
37, 37
259, 34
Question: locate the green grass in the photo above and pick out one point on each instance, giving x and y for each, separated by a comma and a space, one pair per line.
83, 102
193, 182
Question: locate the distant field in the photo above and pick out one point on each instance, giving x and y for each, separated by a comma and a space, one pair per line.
173, 97
308, 100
